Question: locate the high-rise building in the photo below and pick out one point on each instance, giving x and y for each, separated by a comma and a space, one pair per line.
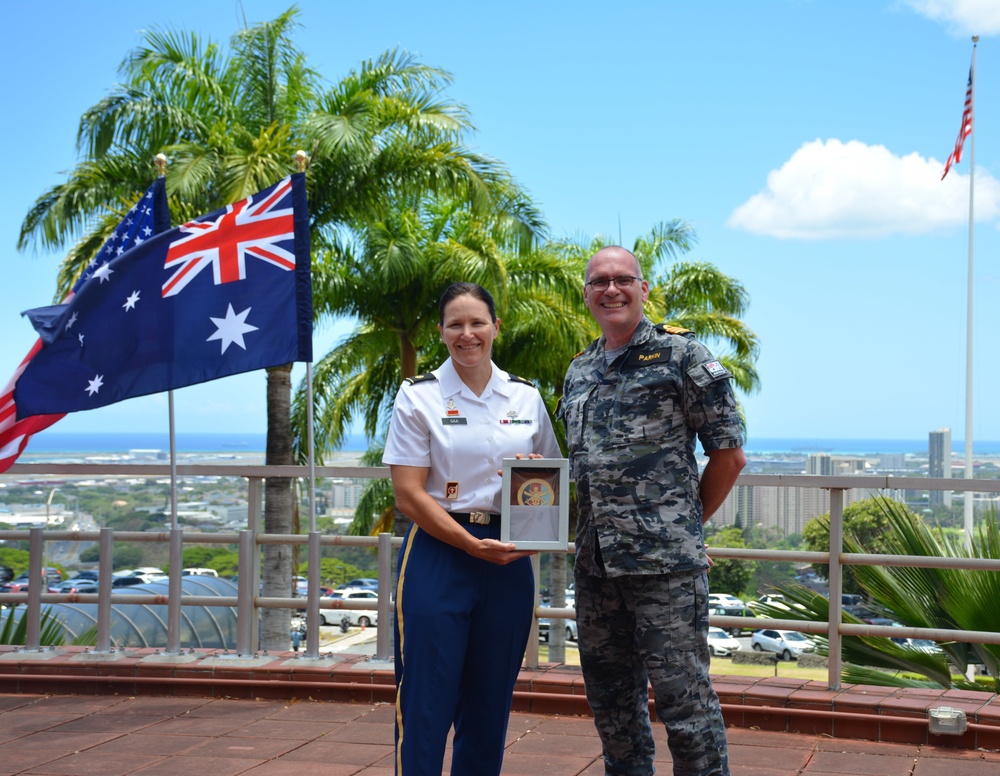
891, 462
345, 493
784, 510
849, 465
939, 463
819, 463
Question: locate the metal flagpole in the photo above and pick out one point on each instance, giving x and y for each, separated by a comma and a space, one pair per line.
968, 320
312, 583
176, 535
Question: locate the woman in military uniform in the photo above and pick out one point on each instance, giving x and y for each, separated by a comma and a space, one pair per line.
464, 600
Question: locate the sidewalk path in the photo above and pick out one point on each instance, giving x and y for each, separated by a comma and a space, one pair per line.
76, 735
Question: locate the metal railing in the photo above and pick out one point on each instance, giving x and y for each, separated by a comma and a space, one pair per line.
249, 541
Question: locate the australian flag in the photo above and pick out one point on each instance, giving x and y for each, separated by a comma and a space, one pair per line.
229, 292
149, 216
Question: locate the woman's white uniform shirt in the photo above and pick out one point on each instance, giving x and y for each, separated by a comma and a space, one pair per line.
463, 438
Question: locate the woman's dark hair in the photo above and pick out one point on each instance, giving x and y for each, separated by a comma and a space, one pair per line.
461, 289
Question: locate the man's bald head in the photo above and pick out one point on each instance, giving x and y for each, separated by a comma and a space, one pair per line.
612, 252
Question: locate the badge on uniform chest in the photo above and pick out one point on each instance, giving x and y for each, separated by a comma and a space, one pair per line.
513, 420
643, 357
452, 418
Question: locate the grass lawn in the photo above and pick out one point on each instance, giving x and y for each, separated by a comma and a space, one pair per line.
790, 668
723, 666
720, 665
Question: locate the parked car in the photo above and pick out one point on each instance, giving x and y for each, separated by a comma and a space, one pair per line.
19, 584
301, 591
119, 583
56, 587
788, 644
147, 571
735, 611
772, 599
544, 625
924, 645
75, 585
6, 574
721, 644
865, 614
360, 617
199, 572
362, 583
724, 599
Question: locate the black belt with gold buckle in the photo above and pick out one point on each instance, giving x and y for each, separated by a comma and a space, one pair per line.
475, 518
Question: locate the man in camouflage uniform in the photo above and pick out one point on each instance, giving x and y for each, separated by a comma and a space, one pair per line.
633, 402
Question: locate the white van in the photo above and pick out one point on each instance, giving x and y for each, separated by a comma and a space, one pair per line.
197, 572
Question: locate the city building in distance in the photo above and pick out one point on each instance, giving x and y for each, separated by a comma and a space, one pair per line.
939, 463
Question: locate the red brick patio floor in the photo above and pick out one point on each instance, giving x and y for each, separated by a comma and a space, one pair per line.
83, 735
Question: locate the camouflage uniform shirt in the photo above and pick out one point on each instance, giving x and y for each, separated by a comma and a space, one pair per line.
630, 429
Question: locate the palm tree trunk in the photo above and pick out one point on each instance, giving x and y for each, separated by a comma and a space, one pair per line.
407, 356
408, 368
557, 593
278, 508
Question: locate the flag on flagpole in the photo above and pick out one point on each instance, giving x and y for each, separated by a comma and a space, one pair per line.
229, 292
956, 156
149, 216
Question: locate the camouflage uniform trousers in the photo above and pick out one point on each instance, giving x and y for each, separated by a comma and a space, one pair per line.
637, 630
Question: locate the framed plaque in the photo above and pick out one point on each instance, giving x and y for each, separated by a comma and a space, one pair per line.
535, 503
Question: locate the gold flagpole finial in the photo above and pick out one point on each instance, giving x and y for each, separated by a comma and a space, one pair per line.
161, 164
301, 159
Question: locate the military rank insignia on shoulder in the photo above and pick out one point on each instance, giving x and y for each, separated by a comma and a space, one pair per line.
668, 329
424, 378
516, 379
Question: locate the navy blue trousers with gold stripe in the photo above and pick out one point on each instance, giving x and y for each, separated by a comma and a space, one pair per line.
461, 629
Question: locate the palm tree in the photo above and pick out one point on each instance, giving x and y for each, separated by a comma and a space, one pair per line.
390, 280
693, 295
231, 125
945, 598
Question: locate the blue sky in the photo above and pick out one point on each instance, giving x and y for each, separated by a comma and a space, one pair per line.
803, 139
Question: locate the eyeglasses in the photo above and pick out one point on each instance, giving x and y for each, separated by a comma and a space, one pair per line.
621, 281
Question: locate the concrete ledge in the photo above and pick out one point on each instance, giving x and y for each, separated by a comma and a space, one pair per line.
752, 658
772, 703
813, 661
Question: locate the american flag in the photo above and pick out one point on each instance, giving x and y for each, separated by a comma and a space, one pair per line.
150, 320
147, 217
956, 156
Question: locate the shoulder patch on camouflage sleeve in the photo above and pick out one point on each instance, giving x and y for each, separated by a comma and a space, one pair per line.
708, 372
516, 379
424, 378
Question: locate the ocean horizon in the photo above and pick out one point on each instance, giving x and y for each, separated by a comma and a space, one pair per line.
51, 442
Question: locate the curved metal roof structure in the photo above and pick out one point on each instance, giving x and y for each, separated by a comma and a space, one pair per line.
145, 625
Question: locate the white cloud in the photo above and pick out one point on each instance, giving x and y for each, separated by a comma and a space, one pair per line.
831, 189
964, 17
